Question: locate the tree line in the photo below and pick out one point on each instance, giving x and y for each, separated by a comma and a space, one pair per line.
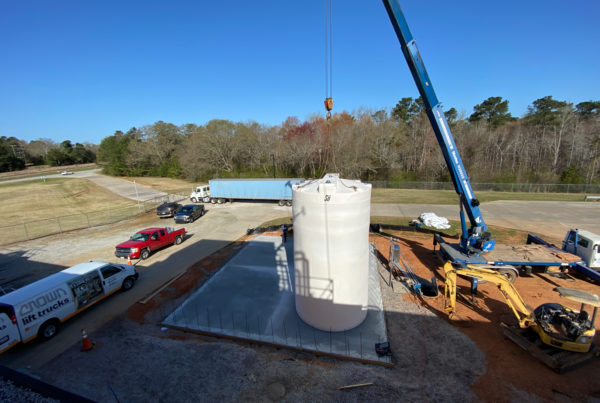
17, 154
554, 142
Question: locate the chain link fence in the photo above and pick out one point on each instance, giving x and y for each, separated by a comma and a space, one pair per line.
36, 229
583, 188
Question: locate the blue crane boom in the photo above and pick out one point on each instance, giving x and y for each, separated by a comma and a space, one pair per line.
476, 239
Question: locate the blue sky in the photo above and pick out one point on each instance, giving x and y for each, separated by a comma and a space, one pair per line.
80, 70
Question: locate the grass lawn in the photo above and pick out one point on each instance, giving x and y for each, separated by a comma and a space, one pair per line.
37, 200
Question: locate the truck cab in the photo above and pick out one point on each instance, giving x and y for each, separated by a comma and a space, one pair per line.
201, 193
584, 244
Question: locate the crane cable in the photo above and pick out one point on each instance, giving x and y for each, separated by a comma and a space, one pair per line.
328, 58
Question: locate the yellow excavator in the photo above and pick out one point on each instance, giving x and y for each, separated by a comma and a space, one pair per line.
557, 327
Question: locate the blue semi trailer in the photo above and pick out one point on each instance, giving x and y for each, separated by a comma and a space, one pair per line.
222, 190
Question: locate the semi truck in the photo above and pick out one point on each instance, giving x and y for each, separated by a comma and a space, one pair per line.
476, 245
222, 190
38, 309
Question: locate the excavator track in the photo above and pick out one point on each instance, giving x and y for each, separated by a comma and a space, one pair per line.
559, 360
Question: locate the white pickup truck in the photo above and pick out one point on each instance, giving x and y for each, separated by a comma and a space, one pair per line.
40, 307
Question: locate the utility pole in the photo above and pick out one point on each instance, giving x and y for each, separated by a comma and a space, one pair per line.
137, 196
273, 158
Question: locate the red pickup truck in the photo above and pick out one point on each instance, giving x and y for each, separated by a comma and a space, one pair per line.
146, 241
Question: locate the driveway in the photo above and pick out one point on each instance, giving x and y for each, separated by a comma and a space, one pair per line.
221, 225
547, 218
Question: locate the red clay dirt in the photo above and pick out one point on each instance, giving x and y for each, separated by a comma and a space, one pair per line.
508, 366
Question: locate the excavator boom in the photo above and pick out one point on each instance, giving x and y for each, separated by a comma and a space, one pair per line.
521, 310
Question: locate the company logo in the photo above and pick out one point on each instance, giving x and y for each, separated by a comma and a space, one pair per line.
41, 301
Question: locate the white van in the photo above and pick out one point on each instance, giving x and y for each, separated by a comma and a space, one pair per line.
38, 308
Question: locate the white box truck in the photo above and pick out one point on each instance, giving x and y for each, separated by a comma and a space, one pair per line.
40, 307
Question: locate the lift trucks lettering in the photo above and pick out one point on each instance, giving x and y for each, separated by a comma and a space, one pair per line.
43, 304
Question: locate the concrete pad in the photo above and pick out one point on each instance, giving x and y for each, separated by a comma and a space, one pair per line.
252, 298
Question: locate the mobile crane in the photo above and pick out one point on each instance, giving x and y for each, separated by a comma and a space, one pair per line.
557, 327
475, 240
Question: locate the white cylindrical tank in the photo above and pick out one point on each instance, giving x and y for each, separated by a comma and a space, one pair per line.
331, 251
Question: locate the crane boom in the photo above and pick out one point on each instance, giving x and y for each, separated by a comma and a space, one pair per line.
475, 239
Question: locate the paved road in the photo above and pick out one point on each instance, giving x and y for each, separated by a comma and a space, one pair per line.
122, 187
221, 225
547, 218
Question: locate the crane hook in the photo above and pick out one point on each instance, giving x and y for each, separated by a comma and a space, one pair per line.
328, 106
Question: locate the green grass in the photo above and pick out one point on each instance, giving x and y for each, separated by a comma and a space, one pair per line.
417, 196
42, 199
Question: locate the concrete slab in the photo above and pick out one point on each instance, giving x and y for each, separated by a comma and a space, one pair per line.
252, 298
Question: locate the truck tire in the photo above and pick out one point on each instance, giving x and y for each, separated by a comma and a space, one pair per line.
510, 274
213, 201
220, 201
288, 203
48, 329
282, 202
128, 283
178, 240
144, 254
193, 199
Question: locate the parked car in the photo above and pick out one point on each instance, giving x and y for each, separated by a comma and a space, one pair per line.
66, 173
146, 241
168, 209
189, 213
38, 309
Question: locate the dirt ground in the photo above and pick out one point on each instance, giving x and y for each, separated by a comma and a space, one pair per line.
435, 359
509, 368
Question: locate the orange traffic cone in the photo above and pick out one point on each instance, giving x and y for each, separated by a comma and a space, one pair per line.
86, 343
129, 260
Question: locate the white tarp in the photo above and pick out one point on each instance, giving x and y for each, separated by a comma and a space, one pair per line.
432, 220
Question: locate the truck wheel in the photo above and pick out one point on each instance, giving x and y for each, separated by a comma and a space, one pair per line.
220, 201
178, 239
288, 203
193, 199
128, 283
213, 201
510, 274
49, 329
144, 254
281, 202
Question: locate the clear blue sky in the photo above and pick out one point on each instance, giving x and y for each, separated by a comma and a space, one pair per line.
80, 70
